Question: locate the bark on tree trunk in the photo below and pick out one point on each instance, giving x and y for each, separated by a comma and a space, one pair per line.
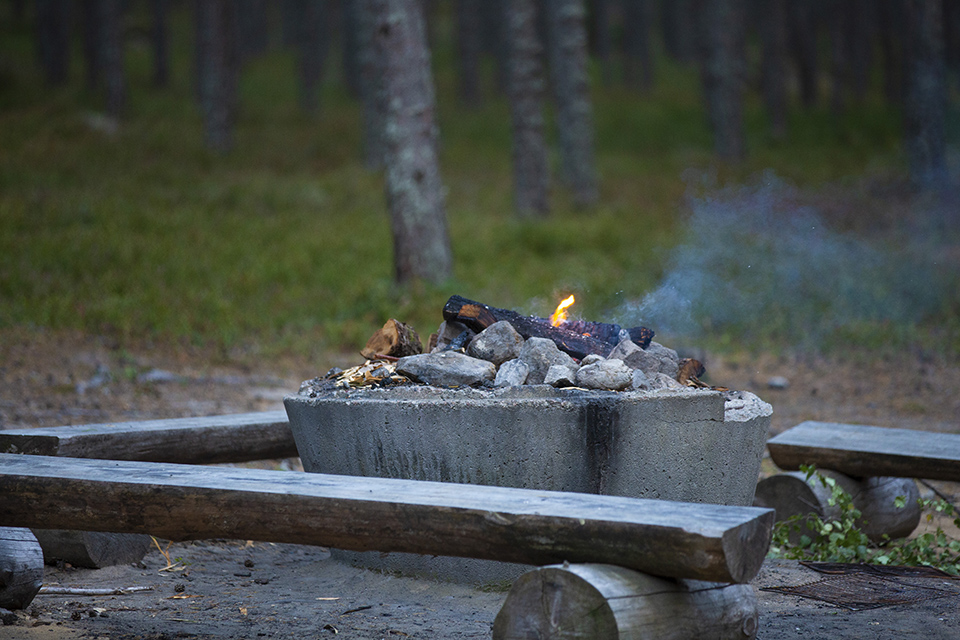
526, 86
721, 36
161, 48
566, 24
312, 51
803, 42
773, 37
637, 55
53, 39
218, 68
111, 51
468, 50
414, 189
925, 94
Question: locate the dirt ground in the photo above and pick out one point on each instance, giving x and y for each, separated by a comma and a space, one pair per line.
235, 589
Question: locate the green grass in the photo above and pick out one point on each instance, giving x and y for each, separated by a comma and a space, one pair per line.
285, 242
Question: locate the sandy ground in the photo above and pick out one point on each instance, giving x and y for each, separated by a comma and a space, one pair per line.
235, 589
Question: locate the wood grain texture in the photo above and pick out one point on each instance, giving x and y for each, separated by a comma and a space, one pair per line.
605, 602
184, 502
207, 440
862, 451
92, 549
21, 567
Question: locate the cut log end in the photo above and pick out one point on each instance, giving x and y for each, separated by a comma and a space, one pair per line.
394, 339
21, 567
92, 549
593, 601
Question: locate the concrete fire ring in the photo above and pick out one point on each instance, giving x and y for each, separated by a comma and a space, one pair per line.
686, 445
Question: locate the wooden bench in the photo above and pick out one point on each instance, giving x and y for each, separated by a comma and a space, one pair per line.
863, 451
682, 544
875, 465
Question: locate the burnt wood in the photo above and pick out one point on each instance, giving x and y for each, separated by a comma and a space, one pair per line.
213, 439
600, 602
862, 451
185, 502
479, 316
21, 567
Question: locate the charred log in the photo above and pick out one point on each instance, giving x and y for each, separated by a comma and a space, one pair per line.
479, 316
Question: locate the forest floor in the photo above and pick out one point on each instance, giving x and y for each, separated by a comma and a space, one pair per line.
236, 589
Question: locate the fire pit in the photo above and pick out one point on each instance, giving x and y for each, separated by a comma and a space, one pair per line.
651, 439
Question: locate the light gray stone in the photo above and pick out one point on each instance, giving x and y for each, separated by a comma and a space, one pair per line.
512, 373
497, 343
560, 375
447, 368
591, 358
540, 354
663, 381
611, 374
639, 381
669, 360
654, 359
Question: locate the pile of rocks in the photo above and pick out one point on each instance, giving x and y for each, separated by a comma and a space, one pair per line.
500, 357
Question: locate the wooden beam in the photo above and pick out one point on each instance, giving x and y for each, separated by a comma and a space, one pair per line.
600, 602
862, 451
208, 440
185, 502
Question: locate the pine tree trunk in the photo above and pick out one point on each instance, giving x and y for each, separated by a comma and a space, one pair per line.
722, 64
526, 87
53, 39
925, 94
369, 78
414, 189
312, 50
468, 50
803, 42
679, 25
111, 51
218, 68
773, 38
566, 25
161, 43
90, 36
496, 39
890, 18
254, 28
637, 53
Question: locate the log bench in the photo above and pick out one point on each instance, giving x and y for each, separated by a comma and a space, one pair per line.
197, 440
681, 543
873, 464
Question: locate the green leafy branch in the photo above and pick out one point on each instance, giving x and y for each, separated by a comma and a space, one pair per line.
841, 539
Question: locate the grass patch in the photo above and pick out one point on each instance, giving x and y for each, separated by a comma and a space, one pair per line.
285, 242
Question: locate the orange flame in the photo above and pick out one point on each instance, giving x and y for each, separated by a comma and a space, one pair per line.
561, 313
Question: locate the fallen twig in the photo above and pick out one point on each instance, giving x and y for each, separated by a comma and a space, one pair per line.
49, 590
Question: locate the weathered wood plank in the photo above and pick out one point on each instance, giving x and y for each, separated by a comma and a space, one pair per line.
207, 440
861, 451
600, 602
184, 502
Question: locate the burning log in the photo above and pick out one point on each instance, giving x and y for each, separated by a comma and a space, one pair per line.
479, 316
394, 339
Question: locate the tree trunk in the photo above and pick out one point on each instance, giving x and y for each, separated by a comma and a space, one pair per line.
414, 189
637, 52
925, 94
369, 76
526, 86
773, 38
803, 42
566, 25
496, 39
890, 17
161, 43
355, 45
218, 70
722, 64
678, 29
468, 50
312, 50
111, 51
602, 39
840, 49
90, 35
254, 28
53, 39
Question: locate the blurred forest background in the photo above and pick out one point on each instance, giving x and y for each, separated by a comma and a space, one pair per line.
282, 177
